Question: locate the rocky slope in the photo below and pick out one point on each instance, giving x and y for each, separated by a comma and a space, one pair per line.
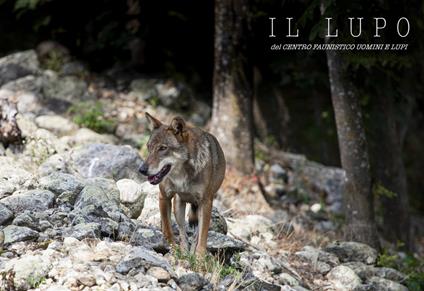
76, 215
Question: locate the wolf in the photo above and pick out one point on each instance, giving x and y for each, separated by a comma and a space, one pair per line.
189, 165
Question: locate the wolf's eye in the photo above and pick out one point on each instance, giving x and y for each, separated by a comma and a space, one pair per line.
162, 148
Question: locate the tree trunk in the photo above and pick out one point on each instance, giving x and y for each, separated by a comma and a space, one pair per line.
9, 129
358, 201
389, 171
232, 81
270, 113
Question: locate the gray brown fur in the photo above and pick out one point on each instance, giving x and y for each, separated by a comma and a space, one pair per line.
197, 171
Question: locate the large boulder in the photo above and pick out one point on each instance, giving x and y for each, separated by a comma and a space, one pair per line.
13, 233
250, 225
107, 161
33, 200
60, 182
99, 198
142, 257
53, 164
149, 238
56, 123
192, 282
343, 278
131, 196
321, 261
63, 91
5, 214
381, 284
349, 251
18, 65
85, 136
366, 272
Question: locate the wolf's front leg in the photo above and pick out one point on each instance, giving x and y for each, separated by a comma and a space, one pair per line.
165, 215
179, 211
205, 210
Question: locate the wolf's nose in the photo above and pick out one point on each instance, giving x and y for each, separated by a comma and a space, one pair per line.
143, 169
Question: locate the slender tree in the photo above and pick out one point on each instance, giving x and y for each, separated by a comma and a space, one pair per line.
358, 200
232, 84
389, 170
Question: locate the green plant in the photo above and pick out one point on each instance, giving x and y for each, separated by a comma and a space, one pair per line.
261, 155
380, 190
207, 264
410, 265
54, 61
35, 281
91, 115
154, 101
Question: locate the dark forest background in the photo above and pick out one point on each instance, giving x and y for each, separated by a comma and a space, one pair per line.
292, 104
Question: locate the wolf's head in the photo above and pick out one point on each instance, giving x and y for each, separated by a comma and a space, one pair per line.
166, 148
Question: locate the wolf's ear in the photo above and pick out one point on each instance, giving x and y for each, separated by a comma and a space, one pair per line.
177, 125
153, 122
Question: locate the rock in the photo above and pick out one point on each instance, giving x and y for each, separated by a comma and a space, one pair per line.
30, 271
1, 241
320, 260
27, 103
144, 88
250, 282
107, 161
381, 284
74, 68
250, 225
149, 238
85, 230
287, 279
34, 200
131, 195
365, 272
54, 163
27, 220
6, 215
65, 90
87, 280
13, 176
85, 136
159, 273
57, 124
101, 199
218, 222
13, 233
218, 242
192, 282
140, 256
42, 144
150, 214
278, 172
353, 252
18, 65
27, 85
343, 278
61, 182
390, 274
316, 207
